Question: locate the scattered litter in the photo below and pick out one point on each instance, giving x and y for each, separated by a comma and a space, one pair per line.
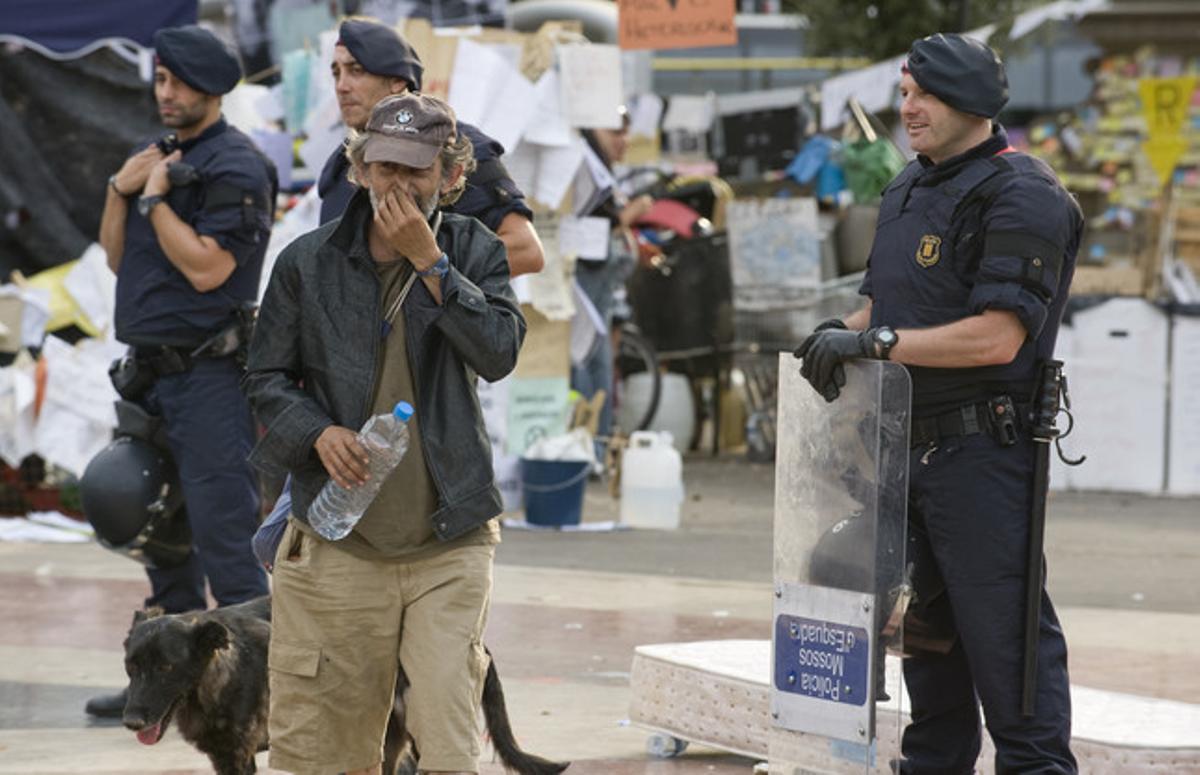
720, 614
572, 626
60, 520
19, 529
608, 526
1138, 597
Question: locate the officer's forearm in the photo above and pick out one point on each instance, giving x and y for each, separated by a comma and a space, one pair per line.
859, 319
112, 227
201, 260
525, 255
991, 338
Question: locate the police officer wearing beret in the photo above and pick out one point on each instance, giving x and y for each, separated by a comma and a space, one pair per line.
370, 62
966, 283
187, 257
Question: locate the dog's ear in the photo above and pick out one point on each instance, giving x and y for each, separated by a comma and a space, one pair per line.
210, 637
152, 612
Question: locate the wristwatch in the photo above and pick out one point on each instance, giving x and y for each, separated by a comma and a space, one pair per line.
439, 269
885, 339
146, 204
112, 183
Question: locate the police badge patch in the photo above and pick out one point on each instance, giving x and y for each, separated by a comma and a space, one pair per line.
929, 251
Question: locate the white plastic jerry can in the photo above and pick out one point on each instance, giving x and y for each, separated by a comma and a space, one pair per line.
651, 481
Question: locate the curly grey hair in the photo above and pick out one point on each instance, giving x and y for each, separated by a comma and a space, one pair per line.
457, 151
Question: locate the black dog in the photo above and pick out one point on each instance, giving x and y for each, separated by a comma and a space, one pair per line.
209, 672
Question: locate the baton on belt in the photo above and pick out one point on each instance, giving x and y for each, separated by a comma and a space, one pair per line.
1051, 389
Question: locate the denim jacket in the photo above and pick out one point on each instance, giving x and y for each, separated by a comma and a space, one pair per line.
313, 357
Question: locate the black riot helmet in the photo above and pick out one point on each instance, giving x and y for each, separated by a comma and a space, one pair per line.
131, 495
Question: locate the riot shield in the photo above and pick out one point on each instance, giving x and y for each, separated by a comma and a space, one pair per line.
841, 480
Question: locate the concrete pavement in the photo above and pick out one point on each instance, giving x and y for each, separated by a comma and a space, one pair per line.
570, 607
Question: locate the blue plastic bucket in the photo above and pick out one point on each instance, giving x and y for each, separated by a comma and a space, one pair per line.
554, 490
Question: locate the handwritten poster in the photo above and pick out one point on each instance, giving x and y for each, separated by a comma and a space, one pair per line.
659, 24
537, 408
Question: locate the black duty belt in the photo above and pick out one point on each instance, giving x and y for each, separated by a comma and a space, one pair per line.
164, 359
998, 417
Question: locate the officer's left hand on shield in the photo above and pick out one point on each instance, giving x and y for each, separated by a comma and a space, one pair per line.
825, 351
158, 183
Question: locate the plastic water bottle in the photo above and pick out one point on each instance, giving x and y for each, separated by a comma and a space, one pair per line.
336, 510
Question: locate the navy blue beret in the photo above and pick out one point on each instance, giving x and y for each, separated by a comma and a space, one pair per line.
381, 50
961, 72
198, 58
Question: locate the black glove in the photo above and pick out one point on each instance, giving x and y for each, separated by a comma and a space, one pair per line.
825, 325
823, 353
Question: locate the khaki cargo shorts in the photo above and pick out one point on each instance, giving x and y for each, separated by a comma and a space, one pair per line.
341, 625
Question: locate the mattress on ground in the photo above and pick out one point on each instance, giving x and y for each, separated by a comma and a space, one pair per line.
717, 693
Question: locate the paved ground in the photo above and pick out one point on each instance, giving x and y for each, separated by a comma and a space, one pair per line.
570, 607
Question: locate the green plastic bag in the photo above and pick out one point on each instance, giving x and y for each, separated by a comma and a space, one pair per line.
869, 167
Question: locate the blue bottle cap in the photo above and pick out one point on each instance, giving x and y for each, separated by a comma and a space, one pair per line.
403, 411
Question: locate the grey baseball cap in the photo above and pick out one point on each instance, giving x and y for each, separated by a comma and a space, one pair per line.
408, 129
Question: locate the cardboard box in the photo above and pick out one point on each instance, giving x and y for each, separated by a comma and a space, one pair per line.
1108, 281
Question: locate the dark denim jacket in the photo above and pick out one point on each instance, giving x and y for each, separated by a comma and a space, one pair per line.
312, 358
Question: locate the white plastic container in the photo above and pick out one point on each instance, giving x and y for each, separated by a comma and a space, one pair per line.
651, 481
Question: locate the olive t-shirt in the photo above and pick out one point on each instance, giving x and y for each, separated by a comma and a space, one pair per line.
397, 525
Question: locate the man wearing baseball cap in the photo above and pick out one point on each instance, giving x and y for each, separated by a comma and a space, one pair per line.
396, 301
370, 62
966, 284
187, 257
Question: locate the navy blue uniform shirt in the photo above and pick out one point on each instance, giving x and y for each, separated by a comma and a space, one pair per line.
490, 194
155, 302
944, 250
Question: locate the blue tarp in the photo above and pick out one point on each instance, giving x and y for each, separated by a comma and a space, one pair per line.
69, 26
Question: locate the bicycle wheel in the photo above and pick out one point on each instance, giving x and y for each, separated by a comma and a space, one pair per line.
634, 355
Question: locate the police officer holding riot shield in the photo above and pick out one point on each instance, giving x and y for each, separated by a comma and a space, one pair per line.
968, 275
185, 225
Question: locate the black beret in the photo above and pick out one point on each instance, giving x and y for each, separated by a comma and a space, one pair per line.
381, 50
960, 71
198, 58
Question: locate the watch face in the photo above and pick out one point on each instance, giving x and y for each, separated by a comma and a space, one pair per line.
887, 336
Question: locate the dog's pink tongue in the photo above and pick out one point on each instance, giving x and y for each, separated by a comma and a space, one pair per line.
149, 735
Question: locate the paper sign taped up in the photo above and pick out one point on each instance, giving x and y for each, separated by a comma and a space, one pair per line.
659, 24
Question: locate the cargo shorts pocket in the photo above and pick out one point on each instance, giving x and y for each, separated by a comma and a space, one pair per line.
293, 551
294, 720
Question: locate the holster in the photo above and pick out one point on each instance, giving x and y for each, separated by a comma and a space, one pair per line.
133, 420
233, 338
131, 378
